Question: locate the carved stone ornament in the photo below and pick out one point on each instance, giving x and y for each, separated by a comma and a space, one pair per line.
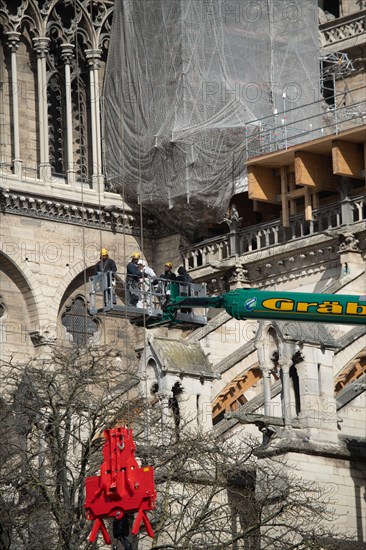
233, 220
238, 276
40, 338
348, 242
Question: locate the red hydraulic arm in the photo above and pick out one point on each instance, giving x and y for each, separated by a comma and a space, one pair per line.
123, 487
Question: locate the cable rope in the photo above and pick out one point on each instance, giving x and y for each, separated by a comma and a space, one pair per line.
90, 174
145, 339
142, 252
78, 100
77, 74
124, 318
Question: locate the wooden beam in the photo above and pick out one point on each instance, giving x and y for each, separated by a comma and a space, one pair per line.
348, 159
350, 373
232, 394
296, 193
315, 171
308, 208
262, 185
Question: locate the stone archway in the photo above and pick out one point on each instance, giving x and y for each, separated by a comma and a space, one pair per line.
77, 277
23, 278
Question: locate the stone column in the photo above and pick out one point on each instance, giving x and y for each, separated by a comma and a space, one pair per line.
93, 57
165, 416
286, 395
264, 352
318, 414
266, 371
13, 43
41, 48
345, 190
67, 56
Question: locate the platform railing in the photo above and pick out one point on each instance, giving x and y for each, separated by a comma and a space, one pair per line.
114, 293
108, 290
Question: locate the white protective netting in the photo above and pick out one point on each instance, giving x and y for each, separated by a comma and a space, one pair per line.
187, 81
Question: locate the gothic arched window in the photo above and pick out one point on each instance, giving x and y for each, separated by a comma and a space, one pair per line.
78, 322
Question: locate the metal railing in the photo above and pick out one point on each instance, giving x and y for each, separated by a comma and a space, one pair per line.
118, 295
290, 127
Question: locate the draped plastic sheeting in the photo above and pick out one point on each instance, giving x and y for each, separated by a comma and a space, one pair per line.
187, 81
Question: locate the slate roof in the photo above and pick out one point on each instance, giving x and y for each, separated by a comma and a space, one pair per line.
181, 357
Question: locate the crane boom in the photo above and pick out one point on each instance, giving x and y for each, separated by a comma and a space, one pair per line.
252, 303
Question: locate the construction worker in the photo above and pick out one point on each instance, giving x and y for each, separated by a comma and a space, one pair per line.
105, 263
168, 275
168, 272
146, 269
148, 278
183, 276
121, 531
184, 285
132, 280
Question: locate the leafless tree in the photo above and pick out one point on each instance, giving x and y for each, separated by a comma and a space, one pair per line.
53, 415
214, 493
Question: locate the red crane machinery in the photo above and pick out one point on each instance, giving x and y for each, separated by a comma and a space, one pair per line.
123, 487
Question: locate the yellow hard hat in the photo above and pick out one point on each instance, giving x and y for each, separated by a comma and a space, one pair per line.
135, 255
169, 264
104, 252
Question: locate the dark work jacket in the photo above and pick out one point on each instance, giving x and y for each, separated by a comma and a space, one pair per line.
106, 265
184, 278
168, 275
133, 272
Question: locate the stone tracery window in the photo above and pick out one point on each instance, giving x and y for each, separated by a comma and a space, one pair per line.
78, 322
56, 117
81, 125
66, 49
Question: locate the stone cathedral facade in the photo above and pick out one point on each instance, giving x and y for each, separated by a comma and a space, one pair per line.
304, 385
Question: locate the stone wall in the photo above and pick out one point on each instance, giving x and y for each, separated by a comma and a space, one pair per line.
343, 482
46, 265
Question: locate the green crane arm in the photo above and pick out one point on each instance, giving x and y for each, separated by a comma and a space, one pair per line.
248, 303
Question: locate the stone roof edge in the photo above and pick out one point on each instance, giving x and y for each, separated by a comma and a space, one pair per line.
350, 392
342, 282
341, 450
350, 337
235, 357
212, 325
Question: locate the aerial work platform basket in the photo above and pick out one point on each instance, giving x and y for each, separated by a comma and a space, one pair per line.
172, 303
143, 302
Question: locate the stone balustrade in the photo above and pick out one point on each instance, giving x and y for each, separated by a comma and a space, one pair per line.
266, 235
343, 31
216, 249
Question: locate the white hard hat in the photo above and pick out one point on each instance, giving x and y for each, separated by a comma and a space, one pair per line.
142, 262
